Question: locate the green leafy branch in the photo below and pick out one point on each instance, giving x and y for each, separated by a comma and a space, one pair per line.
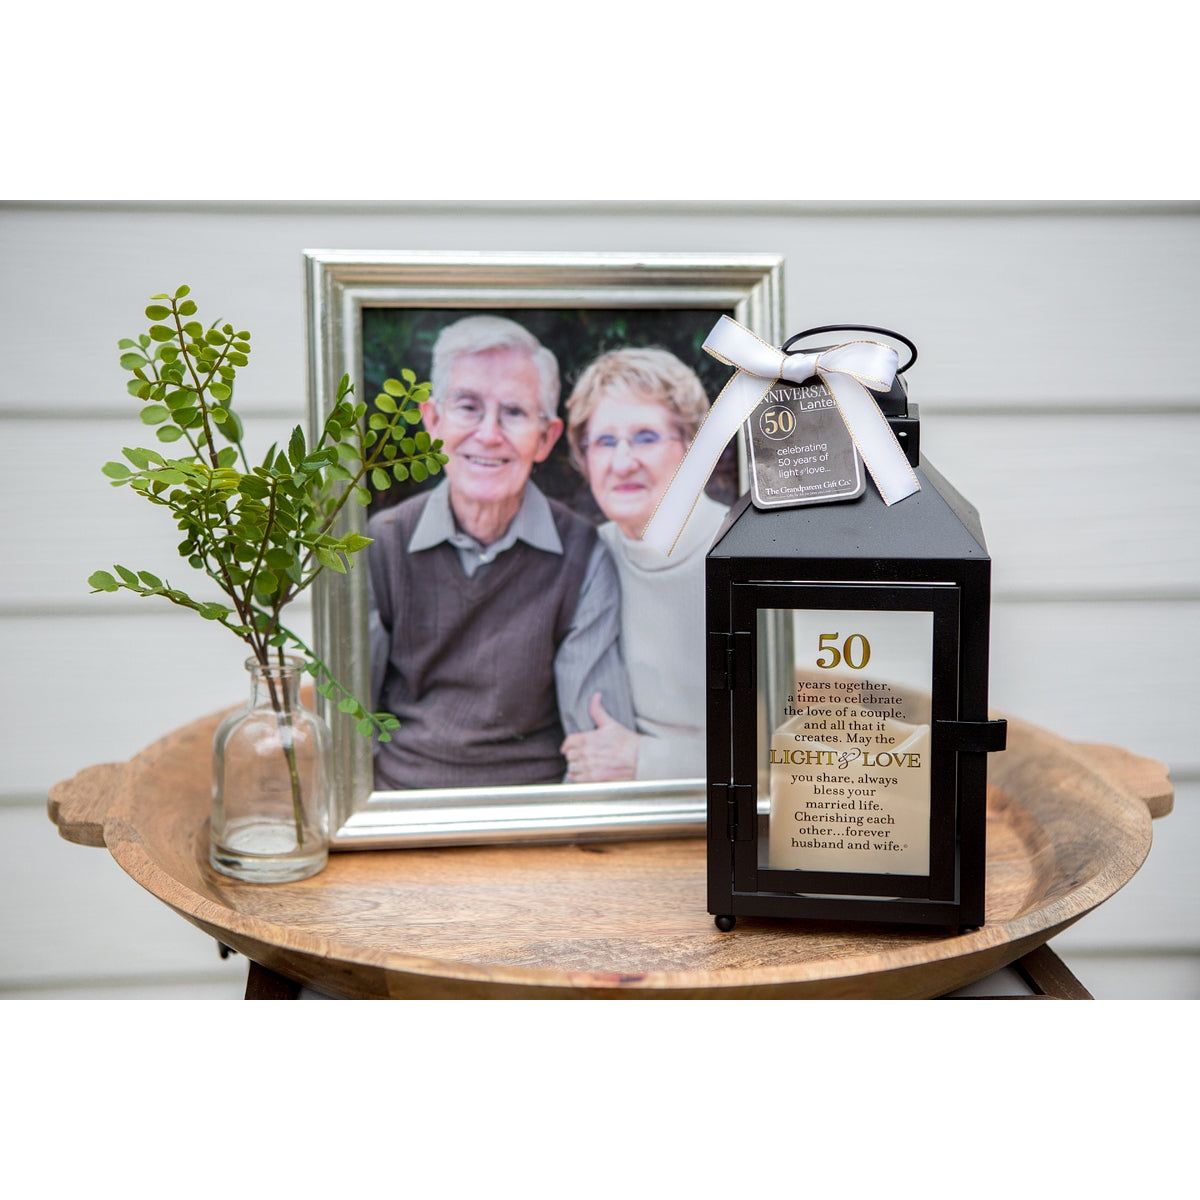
261, 533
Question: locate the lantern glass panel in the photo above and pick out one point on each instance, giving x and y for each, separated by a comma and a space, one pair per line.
845, 719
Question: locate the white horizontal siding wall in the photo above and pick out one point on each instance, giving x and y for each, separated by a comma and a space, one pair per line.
1055, 390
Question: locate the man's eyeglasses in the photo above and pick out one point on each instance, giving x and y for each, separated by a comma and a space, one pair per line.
466, 413
645, 441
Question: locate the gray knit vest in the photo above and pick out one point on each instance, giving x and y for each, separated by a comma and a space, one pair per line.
470, 669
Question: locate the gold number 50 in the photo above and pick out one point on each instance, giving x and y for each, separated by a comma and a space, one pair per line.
848, 652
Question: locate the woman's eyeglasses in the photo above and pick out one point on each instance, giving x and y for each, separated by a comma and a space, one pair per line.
644, 441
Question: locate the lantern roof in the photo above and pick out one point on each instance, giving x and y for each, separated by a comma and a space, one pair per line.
934, 523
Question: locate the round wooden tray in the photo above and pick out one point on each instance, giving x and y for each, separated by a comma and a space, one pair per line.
1068, 825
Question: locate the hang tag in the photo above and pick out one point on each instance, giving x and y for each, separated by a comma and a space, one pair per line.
800, 449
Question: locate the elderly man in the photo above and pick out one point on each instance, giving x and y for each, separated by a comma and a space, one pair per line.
495, 611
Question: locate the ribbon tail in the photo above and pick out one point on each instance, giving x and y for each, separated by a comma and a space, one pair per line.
731, 409
881, 453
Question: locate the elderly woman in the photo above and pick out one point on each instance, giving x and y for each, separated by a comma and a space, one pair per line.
631, 417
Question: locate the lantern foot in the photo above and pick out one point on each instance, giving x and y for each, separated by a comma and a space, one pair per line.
725, 924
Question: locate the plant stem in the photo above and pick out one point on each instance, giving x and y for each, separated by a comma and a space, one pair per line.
283, 719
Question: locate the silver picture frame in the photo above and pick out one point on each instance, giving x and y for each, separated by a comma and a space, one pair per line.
340, 285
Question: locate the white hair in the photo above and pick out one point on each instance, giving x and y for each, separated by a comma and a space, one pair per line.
474, 335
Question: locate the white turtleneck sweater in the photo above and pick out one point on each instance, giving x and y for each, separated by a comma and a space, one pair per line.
662, 643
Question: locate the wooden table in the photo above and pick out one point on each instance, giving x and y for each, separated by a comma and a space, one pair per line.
1068, 825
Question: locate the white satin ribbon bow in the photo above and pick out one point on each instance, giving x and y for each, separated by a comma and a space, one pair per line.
847, 371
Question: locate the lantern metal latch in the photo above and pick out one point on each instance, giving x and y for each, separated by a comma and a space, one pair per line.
971, 737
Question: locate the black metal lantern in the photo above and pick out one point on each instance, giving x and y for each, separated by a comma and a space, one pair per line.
847, 707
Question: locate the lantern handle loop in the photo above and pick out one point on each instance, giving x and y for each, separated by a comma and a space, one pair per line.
851, 329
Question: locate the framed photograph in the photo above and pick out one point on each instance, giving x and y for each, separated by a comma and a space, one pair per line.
546, 666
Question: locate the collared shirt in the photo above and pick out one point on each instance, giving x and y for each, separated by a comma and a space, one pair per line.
533, 524
588, 660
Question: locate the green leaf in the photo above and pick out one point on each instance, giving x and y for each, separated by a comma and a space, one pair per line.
187, 308
327, 558
400, 471
232, 427
227, 457
156, 312
162, 333
131, 360
365, 726
254, 486
296, 447
219, 391
412, 416
348, 705
409, 377
134, 387
126, 344
393, 387
353, 542
116, 470
102, 581
423, 440
126, 574
419, 473
219, 415
150, 580
154, 414
379, 477
326, 689
279, 558
385, 403
214, 337
213, 612
266, 584
362, 496
181, 291
377, 421
408, 445
194, 329
168, 433
433, 466
141, 458
238, 360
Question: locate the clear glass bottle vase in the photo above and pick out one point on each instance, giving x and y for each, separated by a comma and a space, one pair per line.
271, 771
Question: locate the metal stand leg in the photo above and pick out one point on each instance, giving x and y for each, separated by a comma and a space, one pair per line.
264, 984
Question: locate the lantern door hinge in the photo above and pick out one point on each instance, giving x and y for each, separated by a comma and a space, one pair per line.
729, 666
735, 796
972, 737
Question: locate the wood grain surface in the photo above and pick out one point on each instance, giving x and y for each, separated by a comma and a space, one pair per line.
1068, 825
